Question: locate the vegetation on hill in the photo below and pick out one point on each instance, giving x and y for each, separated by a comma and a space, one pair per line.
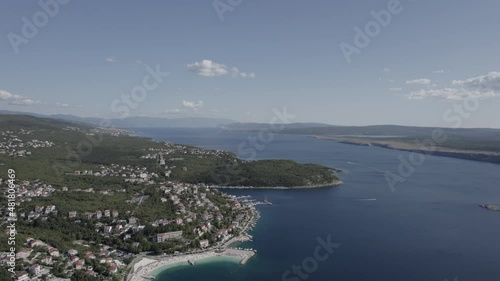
75, 149
231, 171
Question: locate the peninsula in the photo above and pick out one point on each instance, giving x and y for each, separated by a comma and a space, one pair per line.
478, 144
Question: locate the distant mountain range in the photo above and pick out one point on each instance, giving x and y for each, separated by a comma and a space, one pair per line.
184, 122
393, 131
479, 144
320, 129
266, 126
137, 122
317, 129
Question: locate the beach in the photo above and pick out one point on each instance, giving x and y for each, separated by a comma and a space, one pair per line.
147, 268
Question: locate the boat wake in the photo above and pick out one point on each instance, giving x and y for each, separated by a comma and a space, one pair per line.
366, 166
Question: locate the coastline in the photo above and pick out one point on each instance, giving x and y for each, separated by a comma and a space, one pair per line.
158, 271
480, 156
147, 268
333, 183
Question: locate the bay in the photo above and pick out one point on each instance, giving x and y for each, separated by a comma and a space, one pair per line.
428, 227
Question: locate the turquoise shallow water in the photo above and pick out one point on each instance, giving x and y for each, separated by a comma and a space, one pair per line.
175, 272
429, 228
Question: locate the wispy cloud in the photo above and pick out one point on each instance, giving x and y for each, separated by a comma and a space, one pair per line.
173, 111
451, 94
187, 107
13, 99
59, 104
209, 68
422, 81
438, 71
237, 73
396, 89
110, 59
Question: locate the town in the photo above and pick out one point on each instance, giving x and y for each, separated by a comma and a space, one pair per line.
12, 145
150, 213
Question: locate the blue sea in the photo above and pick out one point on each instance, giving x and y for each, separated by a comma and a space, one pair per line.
428, 227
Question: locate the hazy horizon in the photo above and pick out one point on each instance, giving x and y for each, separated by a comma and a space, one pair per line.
243, 122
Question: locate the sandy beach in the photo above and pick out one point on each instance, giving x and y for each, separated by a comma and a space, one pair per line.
146, 267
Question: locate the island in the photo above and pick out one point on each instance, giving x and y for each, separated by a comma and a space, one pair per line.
95, 203
415, 145
491, 207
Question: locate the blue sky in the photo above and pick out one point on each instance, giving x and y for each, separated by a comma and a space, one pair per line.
428, 59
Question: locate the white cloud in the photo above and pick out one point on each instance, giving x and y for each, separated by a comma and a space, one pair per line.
59, 104
173, 111
208, 68
187, 107
13, 99
484, 83
386, 70
237, 73
480, 87
438, 71
451, 94
193, 105
110, 59
422, 81
24, 102
446, 93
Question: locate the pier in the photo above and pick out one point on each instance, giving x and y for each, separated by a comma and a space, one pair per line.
253, 202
